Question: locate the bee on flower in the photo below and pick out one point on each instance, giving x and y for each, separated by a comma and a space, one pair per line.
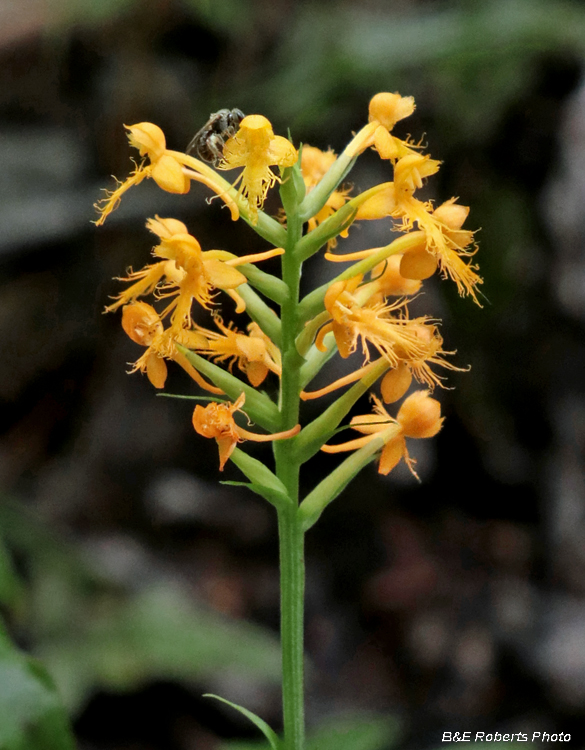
366, 307
255, 148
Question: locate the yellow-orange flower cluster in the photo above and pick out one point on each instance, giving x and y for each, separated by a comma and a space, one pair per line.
445, 244
366, 307
399, 339
185, 274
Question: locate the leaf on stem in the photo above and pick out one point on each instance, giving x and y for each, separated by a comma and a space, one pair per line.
327, 230
263, 481
315, 434
259, 407
261, 313
324, 493
269, 285
269, 733
318, 196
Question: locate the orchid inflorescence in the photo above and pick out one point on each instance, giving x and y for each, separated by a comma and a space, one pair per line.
363, 308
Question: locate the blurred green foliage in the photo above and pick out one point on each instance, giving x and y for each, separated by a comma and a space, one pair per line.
93, 634
32, 716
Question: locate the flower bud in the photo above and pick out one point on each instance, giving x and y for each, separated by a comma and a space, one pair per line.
156, 370
451, 214
388, 108
378, 206
418, 264
166, 228
148, 139
420, 415
141, 322
395, 383
168, 175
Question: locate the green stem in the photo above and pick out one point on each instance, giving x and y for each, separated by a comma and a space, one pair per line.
292, 571
292, 595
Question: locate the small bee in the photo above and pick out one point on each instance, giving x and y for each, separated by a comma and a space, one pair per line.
208, 142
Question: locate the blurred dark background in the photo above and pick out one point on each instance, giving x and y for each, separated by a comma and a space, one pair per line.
452, 605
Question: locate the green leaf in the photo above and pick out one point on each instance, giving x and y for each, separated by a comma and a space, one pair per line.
260, 312
327, 490
269, 733
267, 227
304, 341
297, 176
317, 432
258, 489
313, 241
318, 196
93, 635
270, 286
316, 360
258, 406
31, 714
264, 482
